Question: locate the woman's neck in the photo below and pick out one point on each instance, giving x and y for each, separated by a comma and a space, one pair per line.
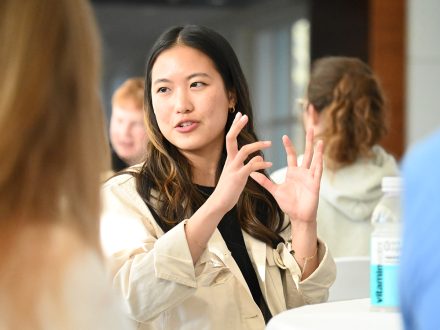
204, 168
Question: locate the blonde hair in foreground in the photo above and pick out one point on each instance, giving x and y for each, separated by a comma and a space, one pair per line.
52, 133
53, 150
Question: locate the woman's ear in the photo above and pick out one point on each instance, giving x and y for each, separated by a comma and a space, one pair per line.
311, 117
232, 97
313, 114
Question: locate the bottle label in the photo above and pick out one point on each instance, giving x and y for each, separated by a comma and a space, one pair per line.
385, 253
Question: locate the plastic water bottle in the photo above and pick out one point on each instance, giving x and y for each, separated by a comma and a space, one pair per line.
385, 246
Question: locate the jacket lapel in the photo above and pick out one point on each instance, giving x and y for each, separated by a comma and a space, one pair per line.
217, 245
261, 256
257, 254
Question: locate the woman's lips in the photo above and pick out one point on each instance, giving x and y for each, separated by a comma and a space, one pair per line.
186, 126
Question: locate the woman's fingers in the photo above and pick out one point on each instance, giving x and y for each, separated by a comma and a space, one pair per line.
255, 164
308, 151
290, 151
231, 137
250, 148
263, 181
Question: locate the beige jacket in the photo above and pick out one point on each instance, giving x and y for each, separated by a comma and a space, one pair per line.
162, 288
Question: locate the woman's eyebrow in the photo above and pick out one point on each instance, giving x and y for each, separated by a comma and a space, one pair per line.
161, 80
191, 76
198, 74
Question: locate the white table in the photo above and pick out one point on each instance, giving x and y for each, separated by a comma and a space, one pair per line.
348, 314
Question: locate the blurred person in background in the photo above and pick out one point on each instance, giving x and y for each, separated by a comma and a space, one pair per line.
53, 148
346, 108
128, 135
419, 262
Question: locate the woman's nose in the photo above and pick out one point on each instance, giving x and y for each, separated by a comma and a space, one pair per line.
183, 102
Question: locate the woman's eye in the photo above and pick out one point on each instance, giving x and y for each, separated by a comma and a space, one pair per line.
197, 84
162, 89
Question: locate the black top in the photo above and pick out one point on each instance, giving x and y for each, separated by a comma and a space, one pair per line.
117, 163
230, 230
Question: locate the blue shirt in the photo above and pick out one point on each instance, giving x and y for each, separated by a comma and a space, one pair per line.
420, 259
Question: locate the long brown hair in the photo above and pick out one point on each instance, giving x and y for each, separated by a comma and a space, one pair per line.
165, 181
350, 100
52, 131
52, 146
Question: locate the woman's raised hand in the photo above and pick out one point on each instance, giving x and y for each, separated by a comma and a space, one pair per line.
235, 172
298, 195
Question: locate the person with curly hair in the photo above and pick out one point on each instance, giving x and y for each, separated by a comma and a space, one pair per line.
346, 108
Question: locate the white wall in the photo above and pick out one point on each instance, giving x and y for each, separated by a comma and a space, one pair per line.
423, 69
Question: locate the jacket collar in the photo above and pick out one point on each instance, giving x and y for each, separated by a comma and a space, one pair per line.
257, 254
217, 246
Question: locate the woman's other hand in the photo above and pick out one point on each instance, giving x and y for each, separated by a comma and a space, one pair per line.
298, 195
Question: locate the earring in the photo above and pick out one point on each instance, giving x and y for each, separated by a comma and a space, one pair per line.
232, 110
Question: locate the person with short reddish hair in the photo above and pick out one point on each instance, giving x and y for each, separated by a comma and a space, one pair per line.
128, 136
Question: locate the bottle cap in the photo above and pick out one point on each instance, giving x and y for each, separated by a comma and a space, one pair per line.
391, 184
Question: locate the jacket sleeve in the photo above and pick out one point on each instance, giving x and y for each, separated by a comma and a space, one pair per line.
315, 288
152, 271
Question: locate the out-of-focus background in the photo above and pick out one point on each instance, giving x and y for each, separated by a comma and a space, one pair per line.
276, 40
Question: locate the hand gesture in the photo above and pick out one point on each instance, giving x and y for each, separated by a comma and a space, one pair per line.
298, 195
235, 173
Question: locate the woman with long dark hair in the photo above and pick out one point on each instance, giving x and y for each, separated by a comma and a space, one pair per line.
198, 236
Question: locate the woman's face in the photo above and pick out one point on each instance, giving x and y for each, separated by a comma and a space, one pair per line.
190, 101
